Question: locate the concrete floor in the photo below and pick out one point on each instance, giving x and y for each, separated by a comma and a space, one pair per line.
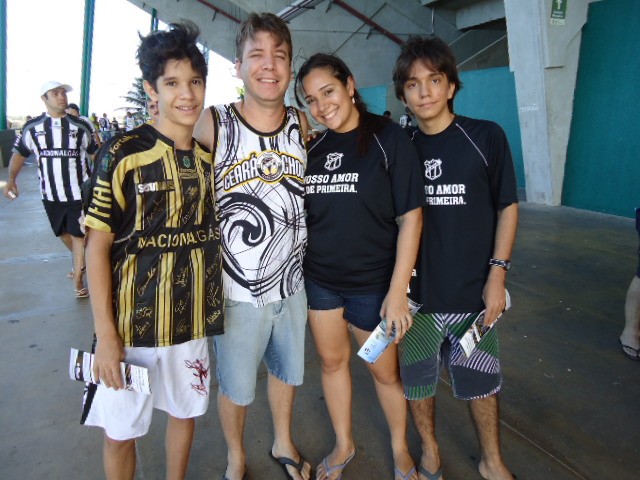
570, 405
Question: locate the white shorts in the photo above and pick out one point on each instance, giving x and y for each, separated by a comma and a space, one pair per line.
179, 379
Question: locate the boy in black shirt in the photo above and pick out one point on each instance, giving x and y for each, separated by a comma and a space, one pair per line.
468, 234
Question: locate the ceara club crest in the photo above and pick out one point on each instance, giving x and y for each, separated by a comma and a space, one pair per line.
433, 168
334, 160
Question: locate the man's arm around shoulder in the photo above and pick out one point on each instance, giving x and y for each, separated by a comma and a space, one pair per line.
204, 130
304, 123
109, 349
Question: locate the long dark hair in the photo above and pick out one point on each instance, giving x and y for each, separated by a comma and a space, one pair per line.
369, 124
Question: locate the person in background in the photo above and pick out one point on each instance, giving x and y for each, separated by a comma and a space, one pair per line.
62, 145
129, 121
406, 119
74, 110
105, 127
152, 110
115, 126
630, 337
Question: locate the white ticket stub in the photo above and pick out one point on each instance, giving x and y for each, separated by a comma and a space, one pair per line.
378, 340
135, 378
478, 329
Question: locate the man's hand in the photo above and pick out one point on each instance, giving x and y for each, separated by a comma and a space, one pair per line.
11, 191
106, 365
494, 295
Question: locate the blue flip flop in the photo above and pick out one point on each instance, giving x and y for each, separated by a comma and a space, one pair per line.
429, 475
329, 470
407, 475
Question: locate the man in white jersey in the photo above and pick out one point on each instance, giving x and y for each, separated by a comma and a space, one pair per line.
259, 182
129, 122
61, 144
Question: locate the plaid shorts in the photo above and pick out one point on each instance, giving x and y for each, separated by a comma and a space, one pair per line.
434, 340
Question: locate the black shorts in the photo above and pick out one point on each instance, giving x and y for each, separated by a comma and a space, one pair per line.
65, 217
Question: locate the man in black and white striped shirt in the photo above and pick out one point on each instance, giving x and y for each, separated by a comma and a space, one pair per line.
61, 144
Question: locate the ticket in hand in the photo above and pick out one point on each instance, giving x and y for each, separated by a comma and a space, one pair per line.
478, 329
378, 340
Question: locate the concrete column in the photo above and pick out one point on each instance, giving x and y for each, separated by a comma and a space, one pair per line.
544, 56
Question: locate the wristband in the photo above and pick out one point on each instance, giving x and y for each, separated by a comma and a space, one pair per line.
504, 264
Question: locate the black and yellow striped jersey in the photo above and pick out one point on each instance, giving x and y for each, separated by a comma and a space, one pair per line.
166, 257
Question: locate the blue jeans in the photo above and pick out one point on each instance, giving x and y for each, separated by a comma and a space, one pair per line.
273, 334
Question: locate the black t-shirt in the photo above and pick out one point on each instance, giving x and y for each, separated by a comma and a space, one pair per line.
352, 203
469, 176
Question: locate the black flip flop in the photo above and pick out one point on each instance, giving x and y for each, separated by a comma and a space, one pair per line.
284, 461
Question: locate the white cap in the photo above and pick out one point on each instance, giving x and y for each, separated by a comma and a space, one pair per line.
50, 85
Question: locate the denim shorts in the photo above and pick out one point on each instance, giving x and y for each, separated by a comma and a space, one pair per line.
273, 334
360, 310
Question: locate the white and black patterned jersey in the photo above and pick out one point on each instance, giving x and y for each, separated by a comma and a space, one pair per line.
259, 184
61, 146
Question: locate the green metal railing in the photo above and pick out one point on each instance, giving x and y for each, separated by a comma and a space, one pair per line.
87, 48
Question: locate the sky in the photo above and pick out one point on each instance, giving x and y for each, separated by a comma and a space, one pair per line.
44, 42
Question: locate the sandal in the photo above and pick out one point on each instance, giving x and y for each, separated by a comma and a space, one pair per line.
328, 471
632, 353
430, 476
82, 293
406, 476
72, 273
284, 461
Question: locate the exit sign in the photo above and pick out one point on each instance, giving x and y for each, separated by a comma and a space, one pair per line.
558, 12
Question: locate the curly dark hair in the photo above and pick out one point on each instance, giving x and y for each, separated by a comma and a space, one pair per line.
178, 42
435, 53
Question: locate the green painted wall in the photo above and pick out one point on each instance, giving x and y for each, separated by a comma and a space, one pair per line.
375, 98
490, 94
603, 157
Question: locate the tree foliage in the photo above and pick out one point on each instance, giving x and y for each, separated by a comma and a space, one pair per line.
137, 99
